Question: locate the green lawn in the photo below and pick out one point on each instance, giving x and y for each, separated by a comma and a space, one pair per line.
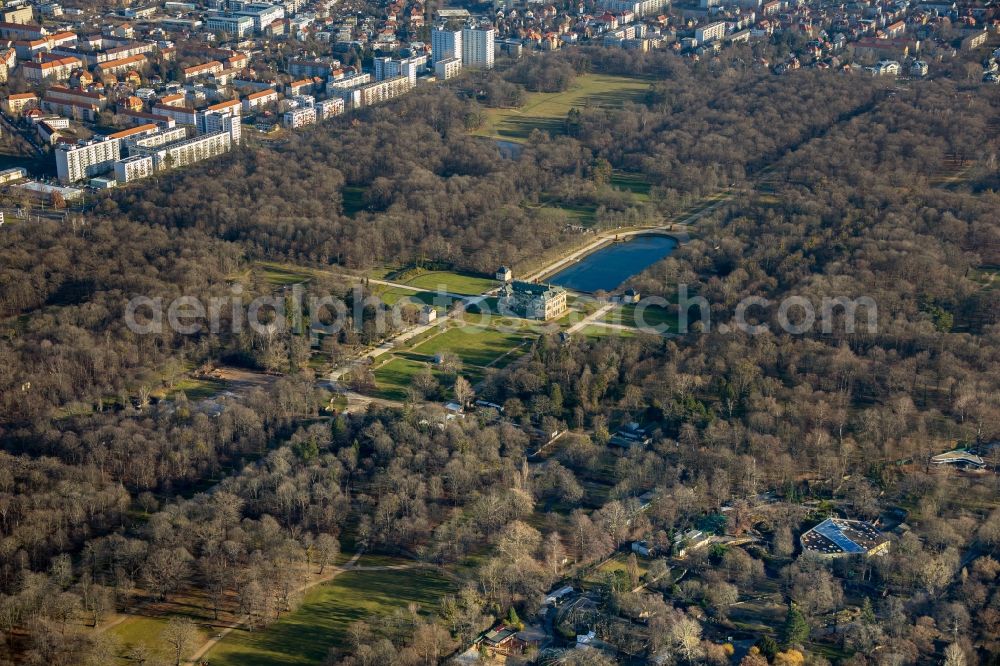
580, 214
452, 282
354, 200
393, 378
283, 274
305, 636
597, 331
475, 345
547, 111
652, 315
194, 388
478, 347
616, 563
392, 295
636, 183
147, 631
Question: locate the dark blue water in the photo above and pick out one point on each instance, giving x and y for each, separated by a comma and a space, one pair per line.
608, 267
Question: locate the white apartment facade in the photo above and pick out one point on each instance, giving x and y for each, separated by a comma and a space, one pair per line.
448, 68
195, 150
134, 168
305, 115
237, 26
445, 44
478, 47
710, 33
328, 108
87, 159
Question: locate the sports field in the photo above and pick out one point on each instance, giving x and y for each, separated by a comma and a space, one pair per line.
547, 111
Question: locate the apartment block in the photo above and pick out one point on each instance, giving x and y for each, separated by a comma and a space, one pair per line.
445, 44
21, 15
57, 70
710, 33
134, 168
262, 14
61, 94
236, 26
147, 143
122, 65
259, 99
305, 115
204, 69
18, 103
478, 47
182, 115
447, 68
86, 159
199, 148
337, 86
638, 7
374, 93
328, 108
10, 30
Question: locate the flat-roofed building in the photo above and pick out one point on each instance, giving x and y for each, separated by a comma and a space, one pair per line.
328, 108
20, 15
374, 93
199, 148
147, 143
710, 33
136, 167
304, 115
448, 68
86, 159
235, 26
478, 47
836, 537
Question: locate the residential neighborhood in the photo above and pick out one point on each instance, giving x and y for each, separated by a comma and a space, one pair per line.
76, 79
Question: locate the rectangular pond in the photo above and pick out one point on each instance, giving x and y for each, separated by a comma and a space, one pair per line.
607, 268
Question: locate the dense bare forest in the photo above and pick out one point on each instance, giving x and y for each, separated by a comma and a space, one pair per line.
839, 194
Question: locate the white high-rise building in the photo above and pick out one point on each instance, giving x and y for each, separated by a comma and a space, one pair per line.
477, 47
445, 44
86, 159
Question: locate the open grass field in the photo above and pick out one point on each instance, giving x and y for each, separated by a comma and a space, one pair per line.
475, 345
579, 214
547, 111
147, 631
634, 316
636, 183
478, 347
616, 563
353, 199
598, 331
283, 274
195, 388
393, 378
305, 636
452, 282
